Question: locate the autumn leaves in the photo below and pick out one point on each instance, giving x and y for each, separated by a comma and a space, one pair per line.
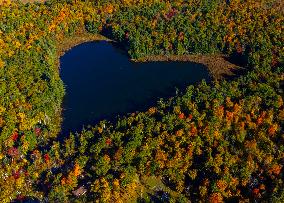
225, 139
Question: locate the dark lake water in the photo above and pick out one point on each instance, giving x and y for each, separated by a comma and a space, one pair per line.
101, 83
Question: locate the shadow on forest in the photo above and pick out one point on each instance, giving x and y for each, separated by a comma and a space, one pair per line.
241, 62
26, 200
159, 197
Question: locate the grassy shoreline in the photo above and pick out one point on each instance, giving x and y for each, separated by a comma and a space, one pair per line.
72, 41
215, 62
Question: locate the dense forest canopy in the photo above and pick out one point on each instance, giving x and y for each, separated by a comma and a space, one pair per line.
215, 142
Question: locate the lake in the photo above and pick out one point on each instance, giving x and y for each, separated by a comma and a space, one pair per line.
101, 83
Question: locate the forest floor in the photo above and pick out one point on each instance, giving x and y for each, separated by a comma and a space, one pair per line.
146, 187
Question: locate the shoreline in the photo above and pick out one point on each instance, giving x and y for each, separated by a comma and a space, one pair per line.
217, 65
72, 41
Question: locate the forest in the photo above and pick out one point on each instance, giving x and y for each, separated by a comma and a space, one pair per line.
221, 141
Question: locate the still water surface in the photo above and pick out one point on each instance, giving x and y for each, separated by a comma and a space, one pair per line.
101, 82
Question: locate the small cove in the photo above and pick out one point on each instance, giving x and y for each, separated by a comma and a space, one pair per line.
101, 83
